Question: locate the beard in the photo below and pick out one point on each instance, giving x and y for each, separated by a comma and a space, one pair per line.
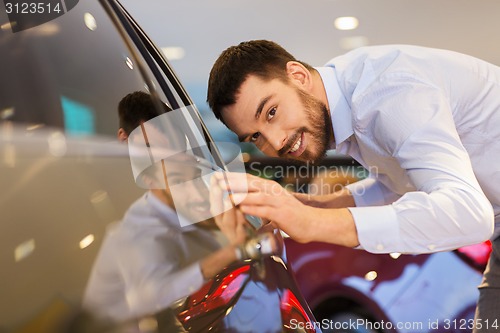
318, 127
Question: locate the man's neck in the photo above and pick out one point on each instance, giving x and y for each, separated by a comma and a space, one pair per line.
318, 89
319, 92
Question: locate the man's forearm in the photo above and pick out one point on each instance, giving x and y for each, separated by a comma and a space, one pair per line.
216, 262
334, 226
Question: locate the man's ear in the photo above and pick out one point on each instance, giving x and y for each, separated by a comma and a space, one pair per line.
299, 74
122, 135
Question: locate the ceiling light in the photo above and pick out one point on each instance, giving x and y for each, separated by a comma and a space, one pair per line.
90, 21
24, 249
395, 255
7, 113
129, 63
34, 127
86, 241
346, 23
5, 26
371, 275
173, 52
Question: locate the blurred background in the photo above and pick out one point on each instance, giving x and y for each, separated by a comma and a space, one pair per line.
193, 33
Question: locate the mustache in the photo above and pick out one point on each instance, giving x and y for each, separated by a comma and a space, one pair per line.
283, 151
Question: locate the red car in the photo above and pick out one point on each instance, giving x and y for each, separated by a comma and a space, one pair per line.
355, 291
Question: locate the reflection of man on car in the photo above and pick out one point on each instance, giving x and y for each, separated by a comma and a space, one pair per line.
153, 256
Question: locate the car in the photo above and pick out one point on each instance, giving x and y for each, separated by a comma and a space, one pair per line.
367, 292
351, 290
65, 178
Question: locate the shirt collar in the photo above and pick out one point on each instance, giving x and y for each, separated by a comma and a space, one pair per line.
340, 112
171, 217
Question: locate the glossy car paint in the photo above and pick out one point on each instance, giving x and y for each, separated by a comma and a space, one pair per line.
64, 181
409, 293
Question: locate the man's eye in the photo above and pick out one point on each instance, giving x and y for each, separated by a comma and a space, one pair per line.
271, 114
254, 137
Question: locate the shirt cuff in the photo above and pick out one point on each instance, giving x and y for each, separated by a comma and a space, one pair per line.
377, 228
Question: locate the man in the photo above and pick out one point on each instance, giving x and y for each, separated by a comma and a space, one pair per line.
425, 122
156, 255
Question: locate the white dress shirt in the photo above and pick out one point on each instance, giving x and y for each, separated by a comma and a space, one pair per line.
426, 124
146, 262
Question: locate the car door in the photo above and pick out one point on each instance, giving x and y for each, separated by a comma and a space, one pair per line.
66, 179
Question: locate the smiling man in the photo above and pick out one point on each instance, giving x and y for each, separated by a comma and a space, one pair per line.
301, 135
425, 122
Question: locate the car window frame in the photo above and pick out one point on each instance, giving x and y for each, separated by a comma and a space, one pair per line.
176, 95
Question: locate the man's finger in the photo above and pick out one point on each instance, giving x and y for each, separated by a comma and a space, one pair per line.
242, 182
259, 211
256, 198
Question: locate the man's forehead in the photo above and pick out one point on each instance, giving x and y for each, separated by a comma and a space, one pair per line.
252, 83
248, 96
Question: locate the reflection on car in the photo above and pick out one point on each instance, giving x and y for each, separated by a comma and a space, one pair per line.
74, 199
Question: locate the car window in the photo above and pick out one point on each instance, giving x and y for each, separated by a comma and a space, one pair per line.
67, 181
65, 177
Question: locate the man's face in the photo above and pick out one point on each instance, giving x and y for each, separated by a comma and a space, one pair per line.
280, 118
186, 190
174, 174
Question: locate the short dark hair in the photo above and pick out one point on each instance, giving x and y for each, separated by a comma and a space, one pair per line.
265, 59
135, 108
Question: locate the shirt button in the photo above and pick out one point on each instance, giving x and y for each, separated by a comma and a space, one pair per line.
380, 247
431, 247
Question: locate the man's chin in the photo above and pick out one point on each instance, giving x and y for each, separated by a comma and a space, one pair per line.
306, 157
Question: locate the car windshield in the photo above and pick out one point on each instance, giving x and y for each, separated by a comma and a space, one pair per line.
68, 182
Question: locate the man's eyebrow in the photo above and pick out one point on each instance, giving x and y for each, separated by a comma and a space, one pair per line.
260, 107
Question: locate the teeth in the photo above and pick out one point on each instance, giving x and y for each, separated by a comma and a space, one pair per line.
296, 146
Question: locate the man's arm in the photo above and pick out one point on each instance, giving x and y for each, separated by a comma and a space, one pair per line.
214, 263
304, 223
443, 207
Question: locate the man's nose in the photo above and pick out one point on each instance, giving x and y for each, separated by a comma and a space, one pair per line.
198, 190
275, 139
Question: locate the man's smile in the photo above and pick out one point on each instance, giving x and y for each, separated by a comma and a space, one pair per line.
299, 146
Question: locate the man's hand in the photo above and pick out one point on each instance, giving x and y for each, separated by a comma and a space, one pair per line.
269, 200
228, 218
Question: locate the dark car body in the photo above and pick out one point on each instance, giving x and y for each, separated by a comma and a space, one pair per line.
65, 177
